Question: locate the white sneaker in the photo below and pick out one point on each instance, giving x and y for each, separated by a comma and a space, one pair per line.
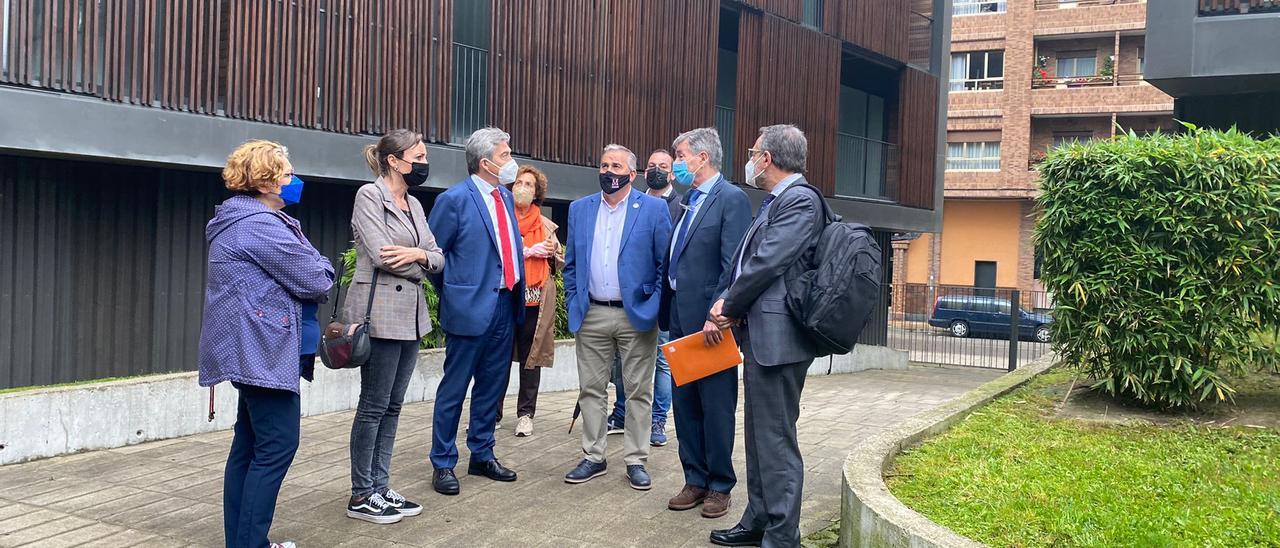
524, 426
285, 544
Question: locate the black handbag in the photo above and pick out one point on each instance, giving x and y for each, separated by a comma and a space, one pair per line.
347, 346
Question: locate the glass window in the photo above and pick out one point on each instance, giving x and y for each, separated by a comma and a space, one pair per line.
980, 156
1142, 60
977, 70
978, 7
862, 150
471, 27
813, 13
1074, 64
1070, 137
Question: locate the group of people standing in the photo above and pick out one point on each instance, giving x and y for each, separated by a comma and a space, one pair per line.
639, 269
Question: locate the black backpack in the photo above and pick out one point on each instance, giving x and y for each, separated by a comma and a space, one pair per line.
834, 299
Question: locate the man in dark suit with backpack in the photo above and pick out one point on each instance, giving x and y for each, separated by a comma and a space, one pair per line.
781, 242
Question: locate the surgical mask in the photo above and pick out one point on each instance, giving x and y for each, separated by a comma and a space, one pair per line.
506, 172
656, 179
523, 195
418, 173
752, 175
682, 173
291, 192
611, 182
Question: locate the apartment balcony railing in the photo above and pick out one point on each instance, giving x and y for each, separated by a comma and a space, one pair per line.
1238, 7
973, 164
981, 84
1087, 81
920, 41
1067, 4
979, 7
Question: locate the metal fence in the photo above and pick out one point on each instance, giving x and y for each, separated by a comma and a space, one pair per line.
966, 326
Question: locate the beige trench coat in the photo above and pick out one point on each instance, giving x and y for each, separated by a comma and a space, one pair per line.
542, 352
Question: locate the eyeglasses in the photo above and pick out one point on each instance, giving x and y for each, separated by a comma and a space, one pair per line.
754, 151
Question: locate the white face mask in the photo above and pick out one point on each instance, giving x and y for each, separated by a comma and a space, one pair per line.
752, 176
507, 173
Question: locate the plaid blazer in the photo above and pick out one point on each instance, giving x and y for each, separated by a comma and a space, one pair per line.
399, 307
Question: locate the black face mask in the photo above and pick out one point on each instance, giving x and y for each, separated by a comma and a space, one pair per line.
611, 183
418, 174
656, 179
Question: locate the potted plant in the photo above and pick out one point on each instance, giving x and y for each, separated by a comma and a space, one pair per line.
1108, 71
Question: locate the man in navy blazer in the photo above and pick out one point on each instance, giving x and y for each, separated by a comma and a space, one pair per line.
614, 263
481, 300
716, 215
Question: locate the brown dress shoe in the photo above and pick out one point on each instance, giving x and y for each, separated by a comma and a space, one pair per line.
688, 498
716, 504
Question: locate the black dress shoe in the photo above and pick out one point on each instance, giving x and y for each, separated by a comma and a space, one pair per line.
491, 469
445, 482
737, 536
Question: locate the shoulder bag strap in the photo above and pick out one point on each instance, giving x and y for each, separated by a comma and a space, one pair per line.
373, 288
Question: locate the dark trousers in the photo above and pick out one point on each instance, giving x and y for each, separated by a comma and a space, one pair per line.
527, 397
485, 360
775, 468
266, 438
705, 412
383, 381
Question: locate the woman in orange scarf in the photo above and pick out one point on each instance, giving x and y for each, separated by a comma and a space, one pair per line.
535, 340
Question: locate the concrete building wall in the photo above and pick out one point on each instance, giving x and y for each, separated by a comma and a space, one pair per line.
981, 231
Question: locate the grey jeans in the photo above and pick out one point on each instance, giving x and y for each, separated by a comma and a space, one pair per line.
373, 434
604, 331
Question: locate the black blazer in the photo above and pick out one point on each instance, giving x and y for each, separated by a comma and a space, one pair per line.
712, 238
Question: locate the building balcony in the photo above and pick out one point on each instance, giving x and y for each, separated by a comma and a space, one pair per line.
1054, 17
1099, 98
1209, 8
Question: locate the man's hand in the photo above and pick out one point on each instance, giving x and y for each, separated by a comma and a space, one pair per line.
711, 332
717, 316
395, 256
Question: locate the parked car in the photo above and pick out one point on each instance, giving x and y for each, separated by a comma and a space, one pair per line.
965, 315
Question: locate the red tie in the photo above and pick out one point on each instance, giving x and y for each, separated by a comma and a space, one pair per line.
508, 264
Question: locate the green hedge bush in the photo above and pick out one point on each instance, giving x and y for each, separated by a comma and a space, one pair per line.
435, 339
1162, 253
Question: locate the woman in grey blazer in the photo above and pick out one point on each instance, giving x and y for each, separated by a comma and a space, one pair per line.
395, 247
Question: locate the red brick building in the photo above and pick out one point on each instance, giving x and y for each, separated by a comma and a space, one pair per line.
1025, 76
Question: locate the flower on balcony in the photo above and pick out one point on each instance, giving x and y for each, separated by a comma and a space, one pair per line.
1040, 71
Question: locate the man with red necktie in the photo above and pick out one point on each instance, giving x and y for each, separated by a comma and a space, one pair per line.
481, 301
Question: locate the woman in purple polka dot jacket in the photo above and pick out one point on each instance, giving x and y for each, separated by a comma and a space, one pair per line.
262, 271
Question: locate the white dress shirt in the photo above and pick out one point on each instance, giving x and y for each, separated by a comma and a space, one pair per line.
691, 211
777, 191
605, 246
486, 192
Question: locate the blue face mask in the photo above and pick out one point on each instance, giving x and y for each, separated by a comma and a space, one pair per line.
681, 170
291, 192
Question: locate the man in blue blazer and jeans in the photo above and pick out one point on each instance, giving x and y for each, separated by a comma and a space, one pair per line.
481, 301
614, 263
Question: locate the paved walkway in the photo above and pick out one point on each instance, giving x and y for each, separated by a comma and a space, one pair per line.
168, 493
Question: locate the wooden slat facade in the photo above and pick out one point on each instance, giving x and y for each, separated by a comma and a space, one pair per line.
917, 138
788, 74
637, 72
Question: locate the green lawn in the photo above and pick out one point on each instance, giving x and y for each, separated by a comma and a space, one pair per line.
1010, 475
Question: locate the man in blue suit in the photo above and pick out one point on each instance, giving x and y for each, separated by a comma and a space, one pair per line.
716, 216
614, 263
481, 301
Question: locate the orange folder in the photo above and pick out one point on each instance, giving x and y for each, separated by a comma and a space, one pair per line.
691, 359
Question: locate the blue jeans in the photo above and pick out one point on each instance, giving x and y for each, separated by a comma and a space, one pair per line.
373, 434
266, 438
661, 384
